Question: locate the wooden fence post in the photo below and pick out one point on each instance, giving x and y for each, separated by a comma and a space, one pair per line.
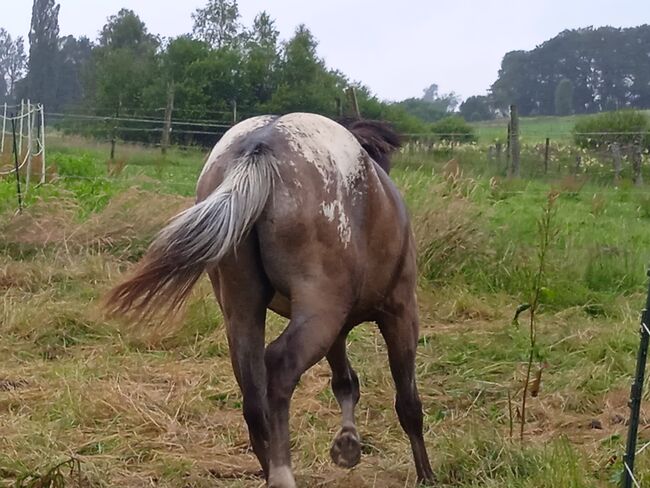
546, 149
514, 143
576, 170
508, 153
499, 150
352, 95
637, 161
618, 163
4, 126
339, 106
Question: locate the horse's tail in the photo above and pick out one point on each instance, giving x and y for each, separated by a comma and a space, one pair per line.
196, 238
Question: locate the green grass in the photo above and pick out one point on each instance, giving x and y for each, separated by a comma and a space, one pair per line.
534, 130
140, 405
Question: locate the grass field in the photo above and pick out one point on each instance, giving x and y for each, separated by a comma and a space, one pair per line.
145, 407
534, 130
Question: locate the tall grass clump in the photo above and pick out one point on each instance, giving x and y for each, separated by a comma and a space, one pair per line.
546, 235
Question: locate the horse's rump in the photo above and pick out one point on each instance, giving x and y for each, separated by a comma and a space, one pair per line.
308, 187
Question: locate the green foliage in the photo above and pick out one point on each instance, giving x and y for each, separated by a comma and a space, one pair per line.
12, 63
217, 23
622, 126
476, 108
124, 62
454, 128
564, 97
426, 111
529, 78
432, 106
304, 82
43, 48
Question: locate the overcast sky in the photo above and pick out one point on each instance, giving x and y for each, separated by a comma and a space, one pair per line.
397, 48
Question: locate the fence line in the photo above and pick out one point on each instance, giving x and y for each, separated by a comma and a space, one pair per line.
33, 115
196, 123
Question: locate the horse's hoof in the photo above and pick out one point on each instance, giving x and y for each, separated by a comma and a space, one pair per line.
428, 480
346, 449
281, 478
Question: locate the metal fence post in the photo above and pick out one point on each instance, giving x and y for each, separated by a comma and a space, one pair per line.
635, 396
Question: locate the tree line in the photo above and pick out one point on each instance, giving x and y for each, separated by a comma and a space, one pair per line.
220, 71
579, 71
224, 70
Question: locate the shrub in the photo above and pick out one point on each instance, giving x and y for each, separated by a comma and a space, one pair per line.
454, 128
622, 126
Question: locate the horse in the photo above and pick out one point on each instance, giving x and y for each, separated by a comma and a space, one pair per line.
297, 214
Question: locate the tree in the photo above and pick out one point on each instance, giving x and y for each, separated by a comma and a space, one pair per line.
607, 67
264, 31
305, 84
454, 128
43, 41
217, 23
564, 97
446, 102
424, 110
124, 63
432, 106
261, 62
476, 108
12, 63
73, 63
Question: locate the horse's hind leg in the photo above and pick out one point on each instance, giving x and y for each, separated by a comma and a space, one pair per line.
399, 327
243, 293
314, 326
346, 448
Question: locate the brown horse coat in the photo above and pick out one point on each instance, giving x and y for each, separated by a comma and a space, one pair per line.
293, 214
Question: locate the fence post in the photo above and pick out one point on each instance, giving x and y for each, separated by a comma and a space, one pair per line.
499, 150
42, 139
17, 168
234, 112
637, 161
4, 126
635, 396
508, 154
576, 170
352, 94
29, 144
339, 106
113, 140
618, 163
546, 149
20, 138
514, 142
167, 129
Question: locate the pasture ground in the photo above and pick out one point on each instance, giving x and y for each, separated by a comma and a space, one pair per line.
145, 407
533, 129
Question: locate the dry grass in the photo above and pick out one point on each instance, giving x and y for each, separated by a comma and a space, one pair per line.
143, 409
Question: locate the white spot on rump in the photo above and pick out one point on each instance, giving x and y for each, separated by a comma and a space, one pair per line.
337, 156
334, 211
234, 133
324, 143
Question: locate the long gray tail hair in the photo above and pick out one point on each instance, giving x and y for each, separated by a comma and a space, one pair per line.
197, 238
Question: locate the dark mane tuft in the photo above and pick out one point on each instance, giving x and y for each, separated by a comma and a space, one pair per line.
378, 138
